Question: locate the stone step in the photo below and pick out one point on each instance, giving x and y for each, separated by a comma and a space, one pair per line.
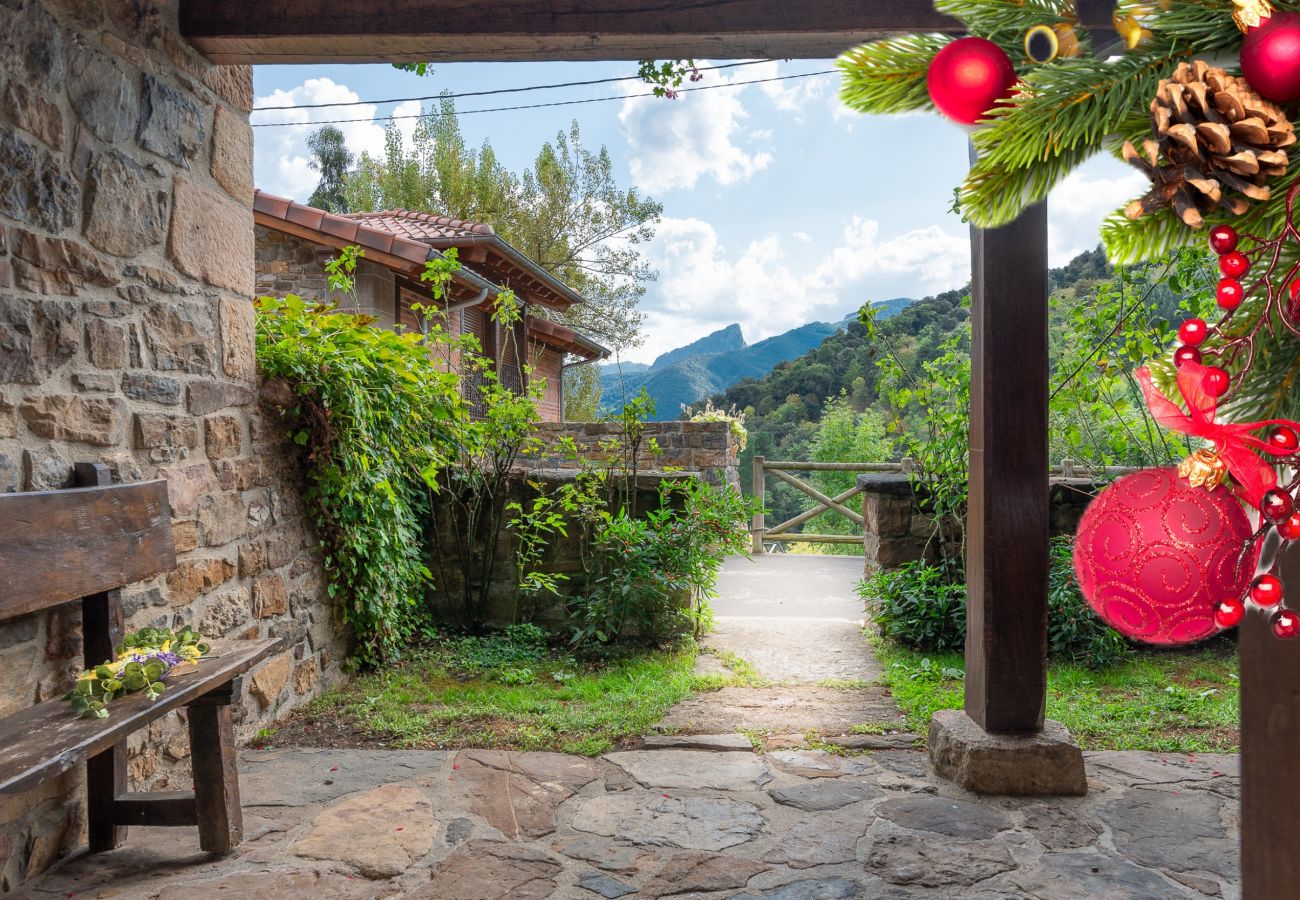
721, 743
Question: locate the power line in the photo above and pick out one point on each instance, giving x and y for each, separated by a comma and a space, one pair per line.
514, 90
470, 112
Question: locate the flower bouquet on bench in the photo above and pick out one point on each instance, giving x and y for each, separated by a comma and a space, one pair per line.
143, 659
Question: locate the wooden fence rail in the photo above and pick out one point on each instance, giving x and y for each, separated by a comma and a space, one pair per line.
784, 532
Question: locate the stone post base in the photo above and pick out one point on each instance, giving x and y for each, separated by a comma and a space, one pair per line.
1047, 763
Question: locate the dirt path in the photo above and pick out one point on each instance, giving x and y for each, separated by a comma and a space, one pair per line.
796, 623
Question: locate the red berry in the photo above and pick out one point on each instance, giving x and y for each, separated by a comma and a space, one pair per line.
1276, 506
1234, 264
1267, 590
1216, 382
1290, 528
1284, 441
1223, 239
1193, 332
1186, 354
1229, 612
1229, 293
1286, 624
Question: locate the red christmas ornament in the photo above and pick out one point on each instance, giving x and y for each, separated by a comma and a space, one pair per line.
968, 77
1193, 332
1229, 293
1234, 264
1290, 528
1276, 506
1229, 612
1216, 382
1155, 556
1267, 590
1223, 239
1270, 58
1286, 624
1284, 440
1186, 354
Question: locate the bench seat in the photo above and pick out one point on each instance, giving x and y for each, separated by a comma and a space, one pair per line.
44, 741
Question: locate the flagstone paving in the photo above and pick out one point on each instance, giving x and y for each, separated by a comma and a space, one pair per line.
796, 824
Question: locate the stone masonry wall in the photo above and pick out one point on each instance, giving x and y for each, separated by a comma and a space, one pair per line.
704, 447
126, 337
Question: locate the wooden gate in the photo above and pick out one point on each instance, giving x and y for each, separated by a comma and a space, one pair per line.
783, 533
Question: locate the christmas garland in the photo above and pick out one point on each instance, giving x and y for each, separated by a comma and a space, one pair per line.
1200, 98
144, 658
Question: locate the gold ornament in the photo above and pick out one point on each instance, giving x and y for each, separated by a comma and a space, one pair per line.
1204, 469
1250, 13
1132, 17
1044, 43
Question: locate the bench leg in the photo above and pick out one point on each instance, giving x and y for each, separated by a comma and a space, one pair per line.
216, 778
105, 782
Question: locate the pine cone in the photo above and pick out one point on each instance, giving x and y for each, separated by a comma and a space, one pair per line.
1217, 144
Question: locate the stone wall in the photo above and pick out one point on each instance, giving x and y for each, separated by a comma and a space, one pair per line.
707, 448
126, 337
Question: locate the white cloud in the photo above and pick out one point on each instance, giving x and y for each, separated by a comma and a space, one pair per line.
802, 237
703, 285
792, 96
676, 143
1080, 203
282, 160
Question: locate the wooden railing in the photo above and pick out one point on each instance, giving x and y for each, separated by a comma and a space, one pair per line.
783, 533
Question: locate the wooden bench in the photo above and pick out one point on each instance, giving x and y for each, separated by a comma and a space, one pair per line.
87, 543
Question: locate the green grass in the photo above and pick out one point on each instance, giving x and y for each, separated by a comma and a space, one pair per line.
1171, 701
497, 693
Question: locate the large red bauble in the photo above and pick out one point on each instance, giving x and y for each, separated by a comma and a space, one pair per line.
1155, 556
1270, 58
968, 77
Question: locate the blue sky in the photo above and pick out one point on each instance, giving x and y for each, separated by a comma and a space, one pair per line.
780, 206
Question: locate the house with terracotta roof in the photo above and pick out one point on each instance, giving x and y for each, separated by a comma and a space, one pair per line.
293, 241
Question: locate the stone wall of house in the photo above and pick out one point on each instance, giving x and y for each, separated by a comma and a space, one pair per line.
708, 448
126, 337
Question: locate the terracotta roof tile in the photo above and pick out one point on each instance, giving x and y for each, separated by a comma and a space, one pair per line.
423, 226
344, 228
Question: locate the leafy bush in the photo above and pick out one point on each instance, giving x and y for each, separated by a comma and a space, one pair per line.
373, 419
734, 418
924, 607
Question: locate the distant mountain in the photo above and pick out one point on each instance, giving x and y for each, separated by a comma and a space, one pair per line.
706, 367
887, 309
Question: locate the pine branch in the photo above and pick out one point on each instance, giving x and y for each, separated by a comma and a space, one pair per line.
1006, 23
889, 76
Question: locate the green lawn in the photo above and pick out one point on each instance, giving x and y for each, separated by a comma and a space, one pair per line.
494, 692
1173, 701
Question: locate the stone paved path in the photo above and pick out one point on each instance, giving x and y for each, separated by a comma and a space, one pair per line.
798, 621
684, 823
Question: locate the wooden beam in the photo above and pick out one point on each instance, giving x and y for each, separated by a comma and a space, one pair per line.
1270, 732
355, 31
1007, 530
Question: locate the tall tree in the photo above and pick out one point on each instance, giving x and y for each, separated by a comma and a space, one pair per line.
330, 157
566, 211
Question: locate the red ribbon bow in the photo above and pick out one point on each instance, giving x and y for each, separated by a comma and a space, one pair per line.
1234, 443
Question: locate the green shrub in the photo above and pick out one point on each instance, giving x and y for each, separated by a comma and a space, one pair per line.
923, 606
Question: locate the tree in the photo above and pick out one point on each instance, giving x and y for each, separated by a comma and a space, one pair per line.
566, 211
330, 157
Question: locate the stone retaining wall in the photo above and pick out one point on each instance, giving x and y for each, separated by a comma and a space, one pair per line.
126, 337
707, 448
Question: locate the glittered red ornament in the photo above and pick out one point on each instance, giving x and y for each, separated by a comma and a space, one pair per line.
1284, 440
1234, 264
1267, 590
968, 77
1229, 612
1286, 624
1276, 506
1216, 382
1290, 529
1270, 58
1193, 332
1229, 293
1154, 556
1186, 354
1223, 239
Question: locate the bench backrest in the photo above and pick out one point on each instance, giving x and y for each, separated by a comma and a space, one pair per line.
57, 546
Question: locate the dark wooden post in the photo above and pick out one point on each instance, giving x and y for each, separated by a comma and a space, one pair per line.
1007, 526
1270, 734
102, 628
